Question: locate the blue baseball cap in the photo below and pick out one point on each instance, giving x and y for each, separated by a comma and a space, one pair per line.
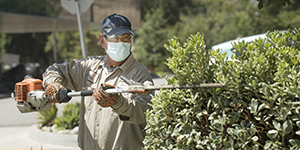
115, 25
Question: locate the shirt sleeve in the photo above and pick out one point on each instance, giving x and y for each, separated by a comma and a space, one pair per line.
71, 75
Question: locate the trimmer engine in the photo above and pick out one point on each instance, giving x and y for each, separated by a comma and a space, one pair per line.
29, 95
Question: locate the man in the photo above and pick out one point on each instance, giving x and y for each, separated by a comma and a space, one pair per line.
107, 121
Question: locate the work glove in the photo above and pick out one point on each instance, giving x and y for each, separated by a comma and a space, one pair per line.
105, 99
51, 92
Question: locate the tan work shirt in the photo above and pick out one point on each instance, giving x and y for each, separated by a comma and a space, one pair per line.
108, 128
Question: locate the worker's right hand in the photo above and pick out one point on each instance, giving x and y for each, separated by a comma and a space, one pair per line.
51, 92
103, 98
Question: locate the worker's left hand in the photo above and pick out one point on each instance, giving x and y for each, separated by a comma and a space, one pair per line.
51, 92
103, 98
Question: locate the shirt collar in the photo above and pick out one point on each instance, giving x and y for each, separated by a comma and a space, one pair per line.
127, 63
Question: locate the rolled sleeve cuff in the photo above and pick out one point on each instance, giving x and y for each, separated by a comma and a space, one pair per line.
121, 106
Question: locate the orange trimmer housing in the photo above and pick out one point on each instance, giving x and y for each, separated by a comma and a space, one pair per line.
24, 87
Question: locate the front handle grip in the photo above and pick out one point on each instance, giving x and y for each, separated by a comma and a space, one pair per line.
63, 95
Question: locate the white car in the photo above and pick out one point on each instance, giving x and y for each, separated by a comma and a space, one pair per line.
227, 46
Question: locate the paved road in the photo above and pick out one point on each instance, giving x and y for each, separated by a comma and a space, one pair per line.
17, 138
11, 116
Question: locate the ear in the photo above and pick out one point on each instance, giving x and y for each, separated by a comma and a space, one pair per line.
102, 42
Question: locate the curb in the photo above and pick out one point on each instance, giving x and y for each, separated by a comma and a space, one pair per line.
52, 138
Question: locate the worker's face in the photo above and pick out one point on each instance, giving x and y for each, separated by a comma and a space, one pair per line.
117, 48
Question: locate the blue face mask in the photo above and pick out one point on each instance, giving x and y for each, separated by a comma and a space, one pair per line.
118, 51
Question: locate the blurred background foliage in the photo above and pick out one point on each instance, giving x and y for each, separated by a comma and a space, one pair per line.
68, 45
218, 20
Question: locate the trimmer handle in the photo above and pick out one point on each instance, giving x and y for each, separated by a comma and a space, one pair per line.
65, 95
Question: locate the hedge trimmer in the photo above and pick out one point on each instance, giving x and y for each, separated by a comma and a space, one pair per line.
29, 93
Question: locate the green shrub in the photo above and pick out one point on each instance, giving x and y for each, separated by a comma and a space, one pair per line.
69, 118
48, 116
258, 110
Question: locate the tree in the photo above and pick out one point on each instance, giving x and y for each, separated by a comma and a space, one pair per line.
158, 17
219, 20
3, 41
150, 38
68, 45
